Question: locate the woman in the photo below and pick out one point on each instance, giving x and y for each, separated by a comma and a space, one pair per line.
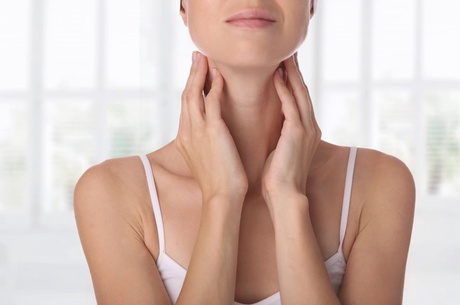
247, 205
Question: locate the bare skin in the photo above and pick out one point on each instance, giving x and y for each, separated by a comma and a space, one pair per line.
115, 193
251, 196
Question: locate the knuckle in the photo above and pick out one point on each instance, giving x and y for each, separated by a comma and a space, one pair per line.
187, 96
319, 134
183, 140
314, 135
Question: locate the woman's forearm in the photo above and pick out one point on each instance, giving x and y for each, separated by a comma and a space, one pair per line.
302, 274
211, 274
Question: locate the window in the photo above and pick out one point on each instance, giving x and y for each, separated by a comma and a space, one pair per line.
72, 93
89, 90
390, 80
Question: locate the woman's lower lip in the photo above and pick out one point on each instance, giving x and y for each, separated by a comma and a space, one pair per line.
252, 23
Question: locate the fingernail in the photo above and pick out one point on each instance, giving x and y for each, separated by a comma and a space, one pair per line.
213, 73
196, 56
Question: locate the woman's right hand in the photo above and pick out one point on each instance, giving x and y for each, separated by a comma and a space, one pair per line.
205, 141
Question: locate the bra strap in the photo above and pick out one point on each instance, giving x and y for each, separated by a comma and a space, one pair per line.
155, 204
347, 193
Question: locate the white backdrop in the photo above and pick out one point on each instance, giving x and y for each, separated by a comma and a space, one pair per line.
86, 80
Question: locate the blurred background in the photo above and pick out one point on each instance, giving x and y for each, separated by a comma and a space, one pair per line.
86, 80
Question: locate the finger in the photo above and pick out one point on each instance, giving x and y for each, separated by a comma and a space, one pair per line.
296, 61
191, 74
288, 103
299, 88
193, 93
300, 92
184, 119
313, 116
213, 99
184, 127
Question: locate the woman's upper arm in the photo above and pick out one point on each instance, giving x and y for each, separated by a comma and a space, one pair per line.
377, 261
123, 270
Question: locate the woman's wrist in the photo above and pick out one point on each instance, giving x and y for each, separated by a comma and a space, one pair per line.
232, 195
222, 206
283, 195
285, 205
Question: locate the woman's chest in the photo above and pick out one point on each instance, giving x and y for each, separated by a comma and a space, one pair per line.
256, 270
256, 247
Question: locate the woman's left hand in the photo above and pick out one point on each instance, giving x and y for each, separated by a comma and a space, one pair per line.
286, 169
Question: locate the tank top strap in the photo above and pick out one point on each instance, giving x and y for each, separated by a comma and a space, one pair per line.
347, 193
155, 204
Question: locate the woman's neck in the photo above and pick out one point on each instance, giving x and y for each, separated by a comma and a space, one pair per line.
252, 111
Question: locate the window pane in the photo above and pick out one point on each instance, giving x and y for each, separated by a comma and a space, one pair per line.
70, 44
132, 127
396, 125
14, 42
13, 152
393, 39
441, 44
342, 40
123, 43
442, 121
340, 119
70, 149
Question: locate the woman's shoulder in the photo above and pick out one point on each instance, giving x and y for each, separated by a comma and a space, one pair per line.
114, 197
112, 191
376, 172
111, 175
382, 169
118, 184
123, 180
387, 186
379, 179
116, 226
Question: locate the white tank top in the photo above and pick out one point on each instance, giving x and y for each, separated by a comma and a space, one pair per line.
173, 274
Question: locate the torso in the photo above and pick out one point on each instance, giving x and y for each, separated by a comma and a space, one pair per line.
180, 200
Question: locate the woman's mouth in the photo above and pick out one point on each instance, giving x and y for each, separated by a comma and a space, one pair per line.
253, 19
